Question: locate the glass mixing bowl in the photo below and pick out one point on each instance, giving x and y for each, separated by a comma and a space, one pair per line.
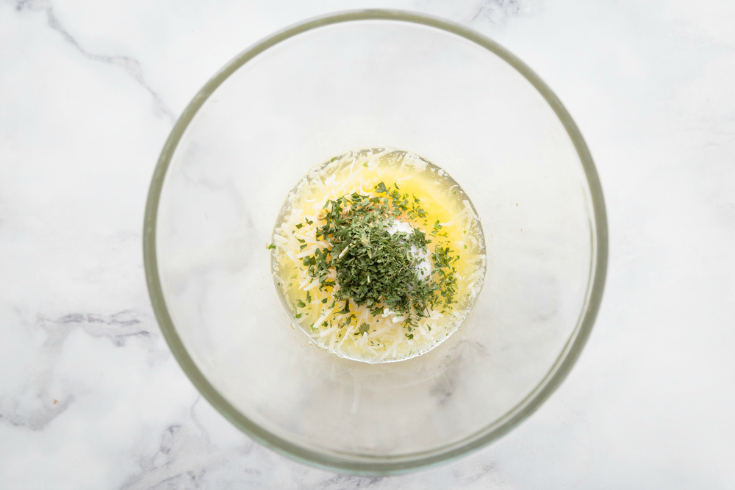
371, 79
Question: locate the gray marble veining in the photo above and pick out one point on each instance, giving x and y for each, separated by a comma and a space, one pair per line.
130, 65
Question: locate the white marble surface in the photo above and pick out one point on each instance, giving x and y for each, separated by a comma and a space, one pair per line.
91, 398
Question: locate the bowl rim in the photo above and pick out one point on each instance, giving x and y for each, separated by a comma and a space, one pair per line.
413, 461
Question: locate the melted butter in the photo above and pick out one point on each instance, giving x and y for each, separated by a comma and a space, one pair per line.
360, 171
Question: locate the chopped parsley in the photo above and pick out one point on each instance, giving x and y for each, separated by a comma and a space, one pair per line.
377, 269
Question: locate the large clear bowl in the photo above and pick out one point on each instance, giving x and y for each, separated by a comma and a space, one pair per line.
372, 79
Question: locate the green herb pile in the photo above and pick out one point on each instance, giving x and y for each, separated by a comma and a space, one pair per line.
375, 268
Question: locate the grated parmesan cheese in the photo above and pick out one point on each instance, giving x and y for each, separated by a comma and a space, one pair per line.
323, 321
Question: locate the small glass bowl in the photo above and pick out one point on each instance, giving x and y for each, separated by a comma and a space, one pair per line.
371, 79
